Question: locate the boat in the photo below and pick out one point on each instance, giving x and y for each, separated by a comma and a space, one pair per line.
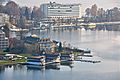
87, 51
67, 57
52, 58
87, 59
36, 60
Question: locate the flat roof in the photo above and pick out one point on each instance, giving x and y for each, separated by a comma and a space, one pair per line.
54, 3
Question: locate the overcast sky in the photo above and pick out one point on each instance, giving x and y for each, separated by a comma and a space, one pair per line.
85, 3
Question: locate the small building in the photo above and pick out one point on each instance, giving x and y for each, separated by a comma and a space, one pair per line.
45, 45
10, 56
31, 43
48, 45
34, 44
4, 18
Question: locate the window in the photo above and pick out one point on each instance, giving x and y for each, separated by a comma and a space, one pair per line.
68, 10
51, 8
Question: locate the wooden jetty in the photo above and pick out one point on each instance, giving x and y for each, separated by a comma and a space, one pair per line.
90, 61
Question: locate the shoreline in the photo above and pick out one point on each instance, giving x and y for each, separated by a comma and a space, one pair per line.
7, 63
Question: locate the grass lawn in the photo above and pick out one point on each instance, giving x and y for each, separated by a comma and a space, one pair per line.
8, 62
25, 55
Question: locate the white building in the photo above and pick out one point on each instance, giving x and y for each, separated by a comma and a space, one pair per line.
4, 42
55, 10
4, 18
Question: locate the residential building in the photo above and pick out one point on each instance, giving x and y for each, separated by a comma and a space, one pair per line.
55, 10
4, 18
4, 42
34, 44
45, 44
31, 43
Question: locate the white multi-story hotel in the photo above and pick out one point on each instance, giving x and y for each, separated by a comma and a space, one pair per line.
55, 10
4, 43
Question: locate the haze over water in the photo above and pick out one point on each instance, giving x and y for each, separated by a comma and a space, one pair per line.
104, 44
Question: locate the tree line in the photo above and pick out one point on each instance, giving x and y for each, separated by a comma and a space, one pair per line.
95, 14
18, 15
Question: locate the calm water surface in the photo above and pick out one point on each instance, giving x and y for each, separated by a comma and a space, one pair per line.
104, 44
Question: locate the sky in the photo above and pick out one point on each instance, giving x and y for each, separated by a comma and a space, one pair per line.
106, 4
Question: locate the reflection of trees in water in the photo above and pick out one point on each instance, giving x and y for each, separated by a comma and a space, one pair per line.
18, 67
2, 68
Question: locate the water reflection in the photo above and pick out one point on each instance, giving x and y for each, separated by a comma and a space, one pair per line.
2, 69
34, 67
105, 45
47, 67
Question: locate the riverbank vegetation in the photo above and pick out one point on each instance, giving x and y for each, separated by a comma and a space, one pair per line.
11, 62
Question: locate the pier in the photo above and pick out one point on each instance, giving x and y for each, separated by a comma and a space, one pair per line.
89, 61
85, 25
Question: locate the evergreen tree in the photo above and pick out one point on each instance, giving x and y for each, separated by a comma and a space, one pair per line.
27, 13
60, 47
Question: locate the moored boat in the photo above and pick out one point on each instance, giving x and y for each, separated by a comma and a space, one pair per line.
36, 60
67, 57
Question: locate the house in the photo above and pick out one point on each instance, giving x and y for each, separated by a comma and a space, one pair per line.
34, 44
10, 56
31, 43
4, 18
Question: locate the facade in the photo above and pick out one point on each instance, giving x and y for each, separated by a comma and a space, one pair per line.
35, 44
55, 10
4, 18
31, 43
4, 42
45, 44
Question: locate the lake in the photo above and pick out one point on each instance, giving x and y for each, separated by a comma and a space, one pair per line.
105, 45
